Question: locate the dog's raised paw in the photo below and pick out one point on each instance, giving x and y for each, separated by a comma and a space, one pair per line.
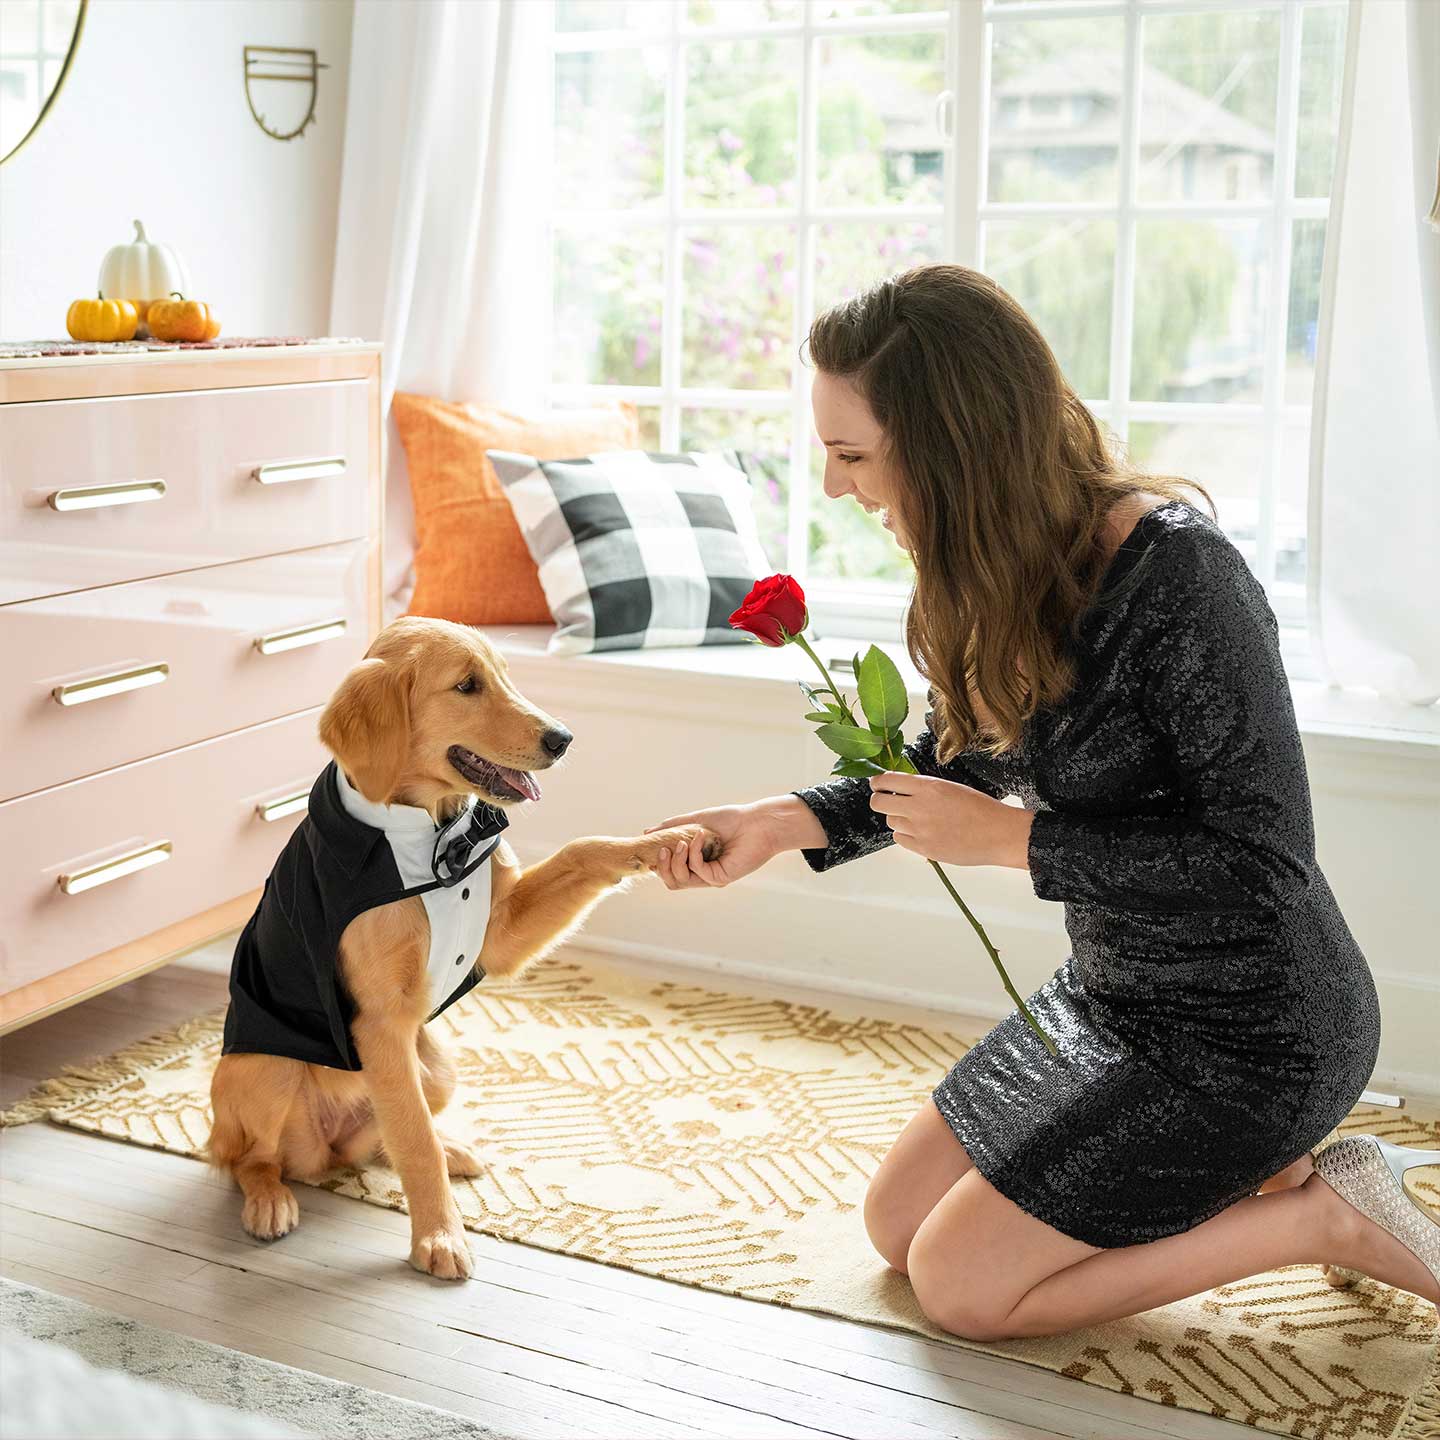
648, 856
271, 1214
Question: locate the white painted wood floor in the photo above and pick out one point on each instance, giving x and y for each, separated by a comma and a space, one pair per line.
538, 1345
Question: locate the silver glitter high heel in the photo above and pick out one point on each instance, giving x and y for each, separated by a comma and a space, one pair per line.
1367, 1172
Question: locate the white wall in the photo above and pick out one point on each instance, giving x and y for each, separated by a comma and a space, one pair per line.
152, 124
651, 743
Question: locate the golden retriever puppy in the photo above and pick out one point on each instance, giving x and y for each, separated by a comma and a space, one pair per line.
392, 898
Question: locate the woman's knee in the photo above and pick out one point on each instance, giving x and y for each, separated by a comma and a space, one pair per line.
950, 1298
886, 1224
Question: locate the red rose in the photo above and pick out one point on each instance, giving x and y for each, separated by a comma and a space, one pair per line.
774, 610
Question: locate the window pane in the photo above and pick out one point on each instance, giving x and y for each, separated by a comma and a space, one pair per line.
743, 12
1055, 102
1207, 105
609, 128
1228, 460
739, 288
20, 27
763, 440
610, 15
1292, 499
1063, 274
847, 543
649, 416
1322, 67
608, 293
1306, 257
876, 136
741, 122
1200, 295
850, 257
60, 17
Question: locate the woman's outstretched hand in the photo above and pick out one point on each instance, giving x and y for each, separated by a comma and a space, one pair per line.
953, 823
752, 834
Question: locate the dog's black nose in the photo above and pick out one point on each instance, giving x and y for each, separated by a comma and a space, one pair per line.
557, 741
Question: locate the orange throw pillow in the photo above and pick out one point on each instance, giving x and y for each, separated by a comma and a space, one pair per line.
471, 561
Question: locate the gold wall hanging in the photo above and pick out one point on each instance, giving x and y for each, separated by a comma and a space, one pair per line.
280, 62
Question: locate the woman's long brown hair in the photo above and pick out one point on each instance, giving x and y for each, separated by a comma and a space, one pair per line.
1004, 484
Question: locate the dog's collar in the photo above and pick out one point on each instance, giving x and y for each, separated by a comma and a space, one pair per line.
449, 851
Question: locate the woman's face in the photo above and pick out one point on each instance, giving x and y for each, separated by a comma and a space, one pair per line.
852, 440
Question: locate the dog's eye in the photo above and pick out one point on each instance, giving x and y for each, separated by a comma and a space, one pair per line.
467, 685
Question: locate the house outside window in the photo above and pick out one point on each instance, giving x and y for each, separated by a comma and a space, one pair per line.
1150, 179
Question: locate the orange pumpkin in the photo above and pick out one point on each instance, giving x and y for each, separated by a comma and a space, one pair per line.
101, 319
177, 318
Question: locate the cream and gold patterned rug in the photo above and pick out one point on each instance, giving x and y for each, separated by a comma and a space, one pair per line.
725, 1141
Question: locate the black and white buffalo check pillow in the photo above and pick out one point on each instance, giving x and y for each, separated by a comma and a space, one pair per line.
637, 550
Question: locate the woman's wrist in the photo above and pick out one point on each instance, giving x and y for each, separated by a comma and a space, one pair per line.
791, 822
1017, 846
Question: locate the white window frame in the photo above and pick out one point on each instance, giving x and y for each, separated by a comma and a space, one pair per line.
874, 609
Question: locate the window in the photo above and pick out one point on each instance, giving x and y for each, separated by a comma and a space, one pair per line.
1149, 178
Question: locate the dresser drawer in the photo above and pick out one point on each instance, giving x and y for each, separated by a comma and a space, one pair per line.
98, 678
200, 802
98, 491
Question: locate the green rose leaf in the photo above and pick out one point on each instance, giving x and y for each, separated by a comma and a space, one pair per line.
853, 768
882, 691
850, 742
823, 716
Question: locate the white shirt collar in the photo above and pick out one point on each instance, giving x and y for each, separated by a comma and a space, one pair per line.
407, 821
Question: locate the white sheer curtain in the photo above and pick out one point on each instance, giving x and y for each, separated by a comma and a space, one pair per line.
441, 247
1375, 447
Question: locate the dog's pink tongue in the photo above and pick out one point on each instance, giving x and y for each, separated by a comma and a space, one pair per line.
522, 780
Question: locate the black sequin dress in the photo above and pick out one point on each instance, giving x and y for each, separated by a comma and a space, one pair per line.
1215, 1018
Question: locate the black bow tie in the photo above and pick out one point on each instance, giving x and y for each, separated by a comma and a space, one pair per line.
456, 843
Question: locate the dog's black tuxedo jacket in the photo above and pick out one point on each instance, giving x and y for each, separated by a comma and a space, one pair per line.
347, 856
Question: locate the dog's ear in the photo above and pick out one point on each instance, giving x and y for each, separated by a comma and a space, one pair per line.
366, 726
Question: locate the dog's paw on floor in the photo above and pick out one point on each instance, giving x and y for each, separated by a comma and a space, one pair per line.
442, 1253
272, 1213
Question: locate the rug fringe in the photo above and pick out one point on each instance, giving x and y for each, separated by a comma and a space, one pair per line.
1423, 1421
75, 1082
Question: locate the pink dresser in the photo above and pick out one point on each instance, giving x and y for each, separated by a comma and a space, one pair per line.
189, 562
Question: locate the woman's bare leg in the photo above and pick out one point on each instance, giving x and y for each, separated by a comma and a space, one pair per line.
1297, 1172
920, 1167
985, 1269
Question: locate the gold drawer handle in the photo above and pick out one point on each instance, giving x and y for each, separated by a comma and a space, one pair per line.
98, 687
281, 472
279, 640
286, 805
127, 864
97, 497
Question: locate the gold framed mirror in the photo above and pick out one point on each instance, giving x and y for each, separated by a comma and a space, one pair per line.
38, 40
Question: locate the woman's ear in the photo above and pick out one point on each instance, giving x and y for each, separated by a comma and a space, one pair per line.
366, 726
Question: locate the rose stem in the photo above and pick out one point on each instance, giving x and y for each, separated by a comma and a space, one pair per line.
804, 644
995, 957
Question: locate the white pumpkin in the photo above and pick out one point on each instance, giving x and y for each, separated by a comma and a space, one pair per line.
142, 271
